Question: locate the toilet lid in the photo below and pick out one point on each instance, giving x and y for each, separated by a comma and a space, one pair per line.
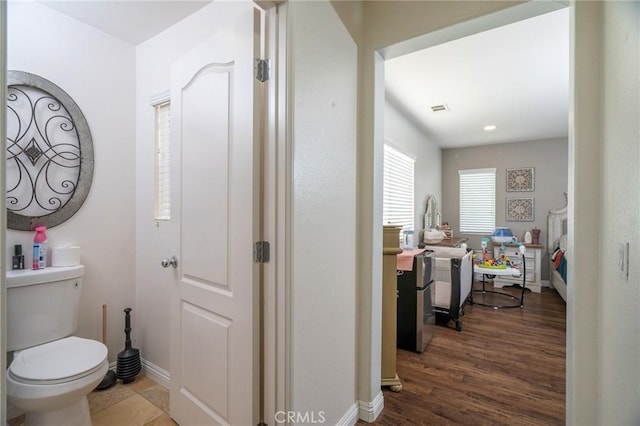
59, 361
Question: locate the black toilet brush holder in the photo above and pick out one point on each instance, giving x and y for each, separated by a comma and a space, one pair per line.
128, 365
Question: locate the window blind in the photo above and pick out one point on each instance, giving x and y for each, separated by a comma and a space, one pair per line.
162, 209
477, 201
398, 198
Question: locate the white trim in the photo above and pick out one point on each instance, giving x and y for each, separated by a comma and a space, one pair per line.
152, 371
160, 98
285, 192
400, 149
369, 411
475, 171
155, 373
162, 162
350, 417
274, 164
545, 283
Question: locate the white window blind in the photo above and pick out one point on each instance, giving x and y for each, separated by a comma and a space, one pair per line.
398, 198
477, 201
162, 209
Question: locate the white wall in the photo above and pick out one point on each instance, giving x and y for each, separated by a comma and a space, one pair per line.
98, 72
620, 298
323, 252
155, 241
403, 133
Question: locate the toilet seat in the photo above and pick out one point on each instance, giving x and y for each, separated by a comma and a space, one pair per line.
59, 361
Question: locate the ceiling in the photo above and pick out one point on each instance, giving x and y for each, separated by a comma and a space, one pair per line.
131, 21
514, 77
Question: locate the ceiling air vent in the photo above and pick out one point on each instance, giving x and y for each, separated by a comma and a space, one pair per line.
440, 108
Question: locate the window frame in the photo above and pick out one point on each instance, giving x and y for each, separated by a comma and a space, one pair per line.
487, 207
404, 191
162, 158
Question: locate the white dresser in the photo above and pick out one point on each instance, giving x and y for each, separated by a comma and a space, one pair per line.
533, 260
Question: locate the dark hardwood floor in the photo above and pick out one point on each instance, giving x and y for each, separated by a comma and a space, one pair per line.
507, 367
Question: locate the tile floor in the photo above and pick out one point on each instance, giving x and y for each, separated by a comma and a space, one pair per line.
141, 403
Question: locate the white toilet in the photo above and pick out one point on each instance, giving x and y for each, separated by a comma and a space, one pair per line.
51, 373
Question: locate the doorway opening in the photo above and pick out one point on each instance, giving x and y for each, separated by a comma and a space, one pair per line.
437, 179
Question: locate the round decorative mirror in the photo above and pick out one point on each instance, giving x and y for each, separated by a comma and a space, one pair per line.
49, 153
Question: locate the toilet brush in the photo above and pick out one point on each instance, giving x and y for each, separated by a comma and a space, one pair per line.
128, 365
109, 378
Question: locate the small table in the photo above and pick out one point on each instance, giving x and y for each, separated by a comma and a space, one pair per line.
491, 274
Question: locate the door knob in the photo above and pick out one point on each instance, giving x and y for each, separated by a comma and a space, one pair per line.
169, 262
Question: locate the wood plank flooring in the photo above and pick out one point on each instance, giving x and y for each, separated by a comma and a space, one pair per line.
507, 367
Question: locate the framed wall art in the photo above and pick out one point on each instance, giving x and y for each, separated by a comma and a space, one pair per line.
49, 153
520, 180
520, 210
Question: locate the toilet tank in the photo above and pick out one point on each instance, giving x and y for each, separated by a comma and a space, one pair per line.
42, 305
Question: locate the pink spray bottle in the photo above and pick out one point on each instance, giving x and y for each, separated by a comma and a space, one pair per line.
40, 248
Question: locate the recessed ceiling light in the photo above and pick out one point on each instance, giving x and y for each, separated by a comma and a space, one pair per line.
490, 127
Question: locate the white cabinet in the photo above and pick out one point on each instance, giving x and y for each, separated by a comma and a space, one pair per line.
533, 260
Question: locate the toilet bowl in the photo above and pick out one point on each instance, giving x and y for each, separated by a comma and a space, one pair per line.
50, 381
52, 372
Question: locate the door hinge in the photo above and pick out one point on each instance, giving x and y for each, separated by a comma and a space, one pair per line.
261, 253
262, 69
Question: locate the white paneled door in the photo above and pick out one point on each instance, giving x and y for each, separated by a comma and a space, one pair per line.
215, 160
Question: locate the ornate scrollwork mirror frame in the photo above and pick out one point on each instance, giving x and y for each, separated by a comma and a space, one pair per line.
34, 157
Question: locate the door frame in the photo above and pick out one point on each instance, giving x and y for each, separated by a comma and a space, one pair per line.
276, 214
3, 210
582, 402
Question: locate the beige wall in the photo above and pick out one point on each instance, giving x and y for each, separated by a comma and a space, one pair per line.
620, 221
323, 213
584, 398
549, 158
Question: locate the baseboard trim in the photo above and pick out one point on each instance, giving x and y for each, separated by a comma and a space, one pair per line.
369, 411
545, 283
155, 373
350, 417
